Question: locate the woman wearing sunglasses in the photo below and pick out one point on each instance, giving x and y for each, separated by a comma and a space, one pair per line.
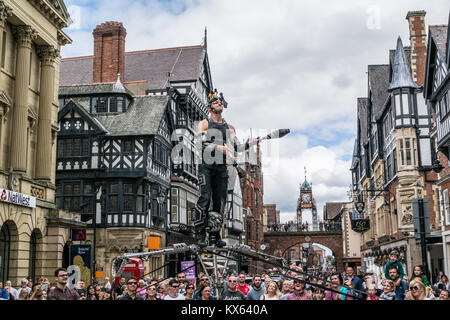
417, 291
151, 293
189, 292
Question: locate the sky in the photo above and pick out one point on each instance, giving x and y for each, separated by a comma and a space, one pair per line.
280, 64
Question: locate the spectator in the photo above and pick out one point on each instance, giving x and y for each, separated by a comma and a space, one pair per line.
346, 290
318, 294
445, 283
299, 290
336, 279
417, 291
23, 295
232, 293
418, 273
393, 261
36, 292
81, 287
173, 293
141, 290
444, 295
372, 292
107, 285
130, 292
181, 277
98, 291
189, 292
91, 294
438, 278
119, 288
61, 291
24, 286
205, 293
400, 285
44, 294
13, 291
287, 288
107, 295
271, 292
356, 281
388, 290
256, 291
151, 293
242, 285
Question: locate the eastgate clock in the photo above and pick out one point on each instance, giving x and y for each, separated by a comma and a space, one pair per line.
306, 198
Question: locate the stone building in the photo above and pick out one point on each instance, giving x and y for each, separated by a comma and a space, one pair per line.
392, 160
33, 232
436, 92
351, 238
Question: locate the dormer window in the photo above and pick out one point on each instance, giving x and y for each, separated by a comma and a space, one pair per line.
111, 104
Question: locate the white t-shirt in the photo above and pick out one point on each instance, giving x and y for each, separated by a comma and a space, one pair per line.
266, 297
179, 297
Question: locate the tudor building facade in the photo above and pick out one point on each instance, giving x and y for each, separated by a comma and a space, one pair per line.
392, 160
32, 231
436, 93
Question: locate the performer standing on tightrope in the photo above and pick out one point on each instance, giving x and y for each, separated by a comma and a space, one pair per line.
217, 138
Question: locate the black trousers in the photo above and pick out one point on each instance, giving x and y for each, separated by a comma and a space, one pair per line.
213, 181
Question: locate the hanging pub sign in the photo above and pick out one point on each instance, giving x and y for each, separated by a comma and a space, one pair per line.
78, 234
361, 225
358, 212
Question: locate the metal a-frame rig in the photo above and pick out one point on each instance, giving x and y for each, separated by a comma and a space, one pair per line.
208, 257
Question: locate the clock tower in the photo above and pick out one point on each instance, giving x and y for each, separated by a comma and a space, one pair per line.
305, 200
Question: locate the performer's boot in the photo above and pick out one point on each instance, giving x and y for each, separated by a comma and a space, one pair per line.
200, 238
215, 240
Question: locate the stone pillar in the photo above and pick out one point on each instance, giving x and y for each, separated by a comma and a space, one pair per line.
48, 54
24, 35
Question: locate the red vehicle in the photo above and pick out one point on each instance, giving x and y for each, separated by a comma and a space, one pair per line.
133, 268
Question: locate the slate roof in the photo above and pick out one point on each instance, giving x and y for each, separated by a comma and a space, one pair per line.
143, 117
152, 65
439, 35
379, 83
92, 88
355, 155
332, 209
362, 116
401, 73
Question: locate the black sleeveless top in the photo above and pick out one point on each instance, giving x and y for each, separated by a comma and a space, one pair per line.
217, 134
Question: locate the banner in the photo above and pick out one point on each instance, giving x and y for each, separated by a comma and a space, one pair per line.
80, 255
17, 198
190, 273
361, 225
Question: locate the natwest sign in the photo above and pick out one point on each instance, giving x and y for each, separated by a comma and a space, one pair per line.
17, 198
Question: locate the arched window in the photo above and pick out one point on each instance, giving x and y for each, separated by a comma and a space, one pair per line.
32, 256
5, 241
66, 256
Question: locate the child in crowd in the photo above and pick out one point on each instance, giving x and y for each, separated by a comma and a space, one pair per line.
393, 261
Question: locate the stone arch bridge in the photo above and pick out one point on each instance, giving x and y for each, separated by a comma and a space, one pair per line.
280, 243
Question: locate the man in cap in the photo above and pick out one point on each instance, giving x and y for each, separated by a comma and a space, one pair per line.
216, 137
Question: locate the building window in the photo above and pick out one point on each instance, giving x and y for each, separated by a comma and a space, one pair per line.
3, 49
128, 197
444, 105
112, 104
174, 204
71, 196
102, 105
73, 147
113, 197
5, 242
32, 256
140, 199
127, 146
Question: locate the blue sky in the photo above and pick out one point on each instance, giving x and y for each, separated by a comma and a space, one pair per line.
280, 64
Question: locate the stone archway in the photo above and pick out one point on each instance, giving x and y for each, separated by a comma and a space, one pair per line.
278, 242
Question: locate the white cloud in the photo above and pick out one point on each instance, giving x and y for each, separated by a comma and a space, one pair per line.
280, 64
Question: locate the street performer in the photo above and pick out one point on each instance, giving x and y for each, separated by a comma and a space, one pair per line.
218, 141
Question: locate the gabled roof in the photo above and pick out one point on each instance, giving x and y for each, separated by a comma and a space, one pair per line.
143, 117
184, 64
379, 83
332, 209
72, 105
401, 72
439, 35
355, 156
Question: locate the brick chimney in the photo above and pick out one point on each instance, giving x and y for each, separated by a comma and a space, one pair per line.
417, 37
109, 51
